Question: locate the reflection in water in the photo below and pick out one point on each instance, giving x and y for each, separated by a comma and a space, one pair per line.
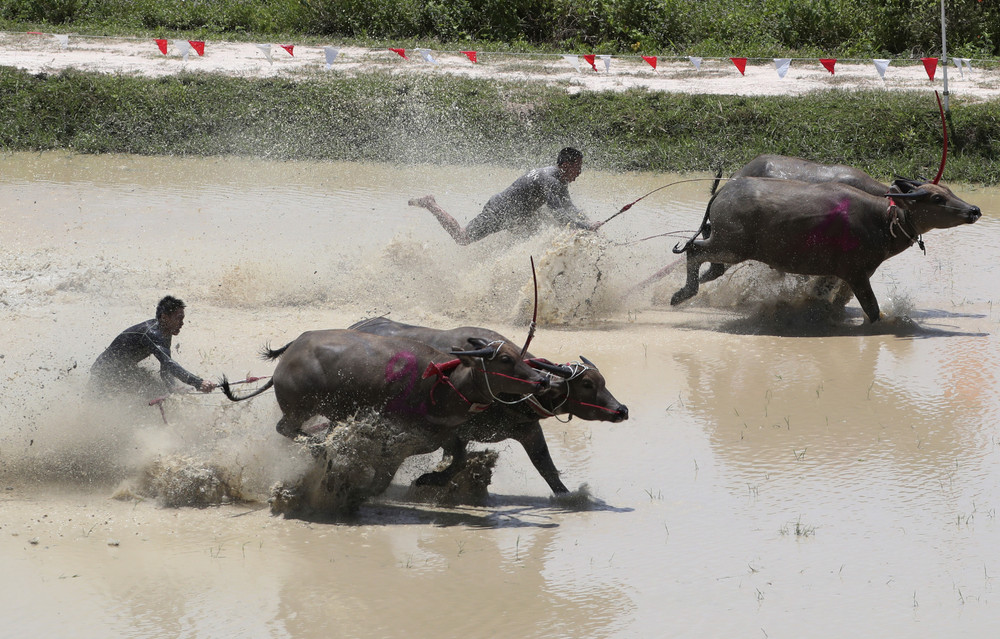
783, 471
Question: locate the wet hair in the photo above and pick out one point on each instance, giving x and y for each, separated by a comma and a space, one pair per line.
168, 305
569, 155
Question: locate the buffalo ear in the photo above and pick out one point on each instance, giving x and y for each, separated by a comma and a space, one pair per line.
587, 362
477, 342
465, 359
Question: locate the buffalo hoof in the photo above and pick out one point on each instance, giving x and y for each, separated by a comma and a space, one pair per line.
433, 479
681, 296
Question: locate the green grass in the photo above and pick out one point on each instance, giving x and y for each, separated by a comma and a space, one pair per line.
380, 117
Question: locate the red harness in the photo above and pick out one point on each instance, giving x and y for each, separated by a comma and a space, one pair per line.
442, 370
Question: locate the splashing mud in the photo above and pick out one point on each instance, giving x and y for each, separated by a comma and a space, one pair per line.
357, 459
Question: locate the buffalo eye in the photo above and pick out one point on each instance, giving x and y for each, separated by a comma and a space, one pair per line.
938, 199
505, 359
587, 384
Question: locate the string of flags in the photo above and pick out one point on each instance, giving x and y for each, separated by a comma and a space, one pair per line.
781, 65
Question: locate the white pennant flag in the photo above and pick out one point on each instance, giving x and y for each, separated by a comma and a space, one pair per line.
958, 65
781, 66
606, 59
574, 60
63, 40
331, 55
266, 50
184, 47
695, 61
426, 55
881, 66
962, 64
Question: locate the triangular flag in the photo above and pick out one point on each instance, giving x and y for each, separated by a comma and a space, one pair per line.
574, 60
828, 64
198, 46
881, 65
606, 59
696, 62
741, 64
651, 60
590, 58
426, 55
400, 52
162, 44
184, 47
331, 55
289, 48
266, 50
471, 55
930, 66
63, 40
781, 66
958, 65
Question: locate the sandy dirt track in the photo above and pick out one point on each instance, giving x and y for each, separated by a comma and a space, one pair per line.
45, 53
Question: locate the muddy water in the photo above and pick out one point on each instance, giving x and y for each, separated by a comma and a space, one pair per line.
783, 472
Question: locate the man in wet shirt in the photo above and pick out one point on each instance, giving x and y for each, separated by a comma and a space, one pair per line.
514, 209
117, 368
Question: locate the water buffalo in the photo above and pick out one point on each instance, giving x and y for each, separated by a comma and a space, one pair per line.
582, 393
335, 373
784, 167
827, 229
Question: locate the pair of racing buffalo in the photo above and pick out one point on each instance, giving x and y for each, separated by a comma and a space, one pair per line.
806, 218
453, 386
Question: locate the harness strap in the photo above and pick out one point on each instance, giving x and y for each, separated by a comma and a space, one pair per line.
893, 212
441, 371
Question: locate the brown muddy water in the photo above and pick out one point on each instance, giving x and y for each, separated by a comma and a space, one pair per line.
784, 472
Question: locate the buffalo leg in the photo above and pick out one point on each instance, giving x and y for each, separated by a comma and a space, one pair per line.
291, 425
454, 449
533, 440
714, 272
691, 286
866, 297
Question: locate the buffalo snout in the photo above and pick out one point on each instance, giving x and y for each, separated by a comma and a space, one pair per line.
973, 214
621, 415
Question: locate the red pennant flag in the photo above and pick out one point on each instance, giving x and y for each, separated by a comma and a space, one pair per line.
162, 43
401, 52
828, 64
198, 46
288, 48
471, 55
930, 65
590, 60
741, 64
651, 59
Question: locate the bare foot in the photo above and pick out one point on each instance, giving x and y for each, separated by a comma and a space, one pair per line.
426, 201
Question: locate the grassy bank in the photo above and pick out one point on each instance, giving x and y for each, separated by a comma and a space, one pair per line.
377, 117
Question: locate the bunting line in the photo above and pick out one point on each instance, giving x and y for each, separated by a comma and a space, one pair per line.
332, 54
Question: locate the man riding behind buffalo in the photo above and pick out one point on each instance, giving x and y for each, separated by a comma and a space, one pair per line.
514, 209
117, 368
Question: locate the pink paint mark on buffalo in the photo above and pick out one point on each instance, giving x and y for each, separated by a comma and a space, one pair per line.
834, 230
403, 366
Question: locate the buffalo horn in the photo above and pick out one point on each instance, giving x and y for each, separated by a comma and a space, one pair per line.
479, 352
555, 369
910, 195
